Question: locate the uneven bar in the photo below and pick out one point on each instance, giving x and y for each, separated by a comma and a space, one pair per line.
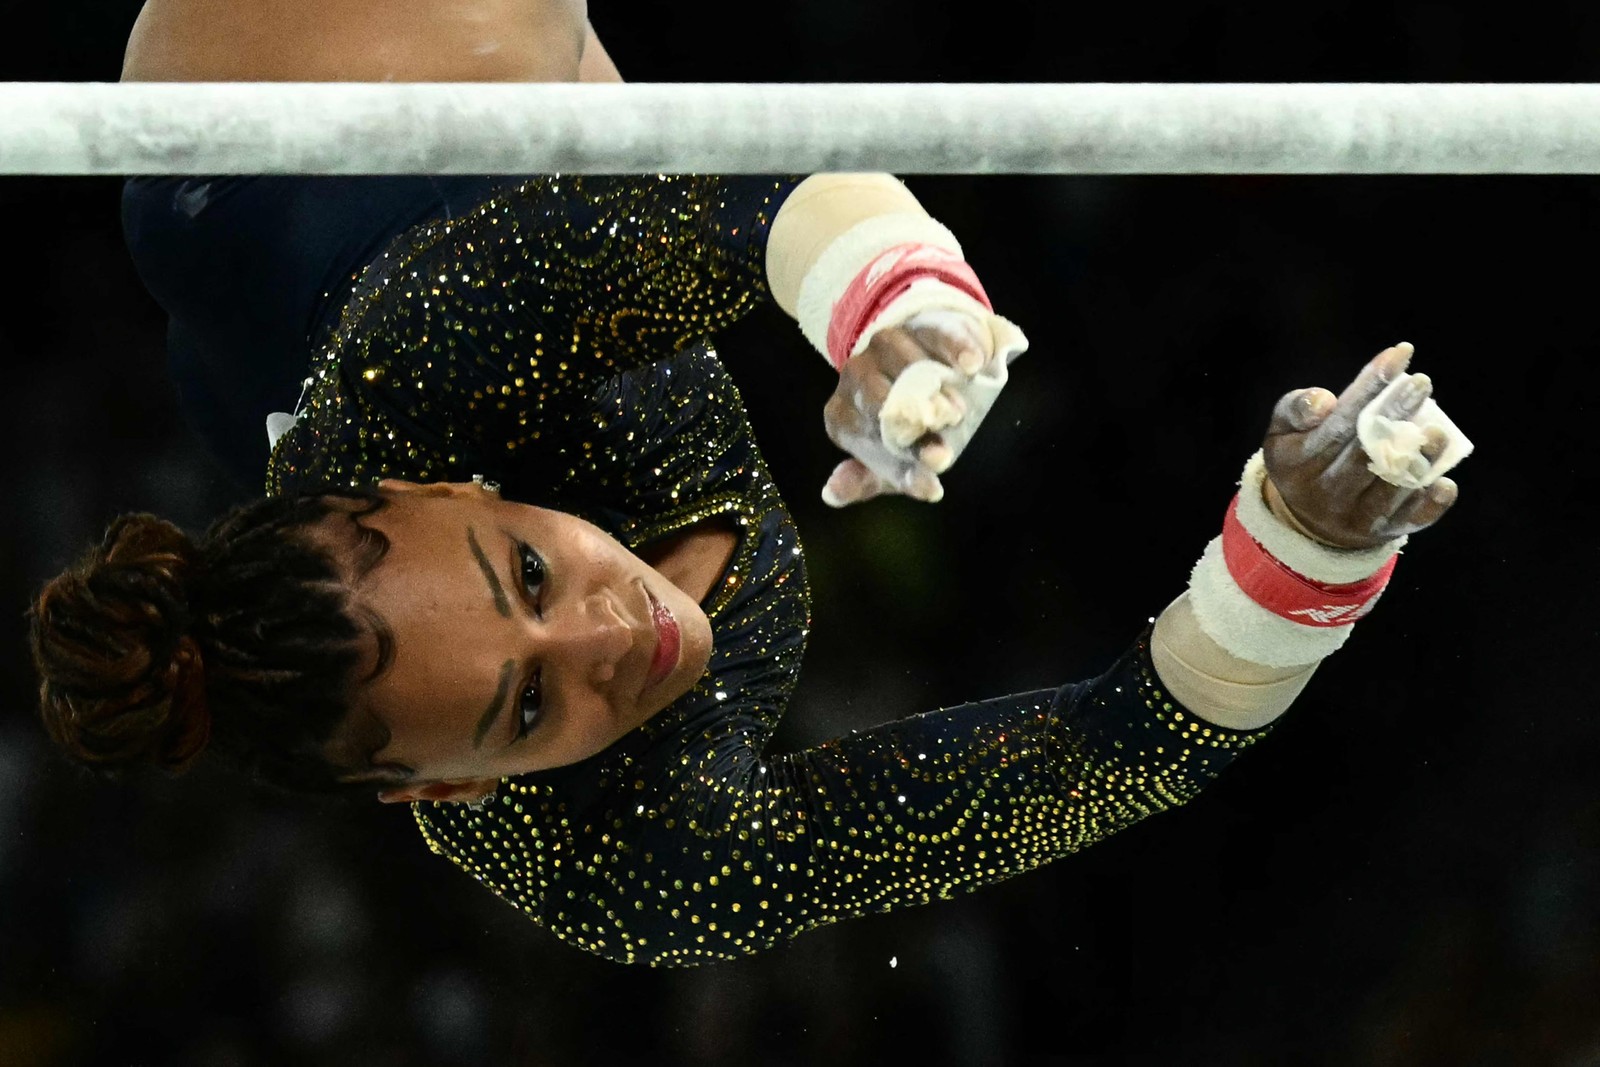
89, 128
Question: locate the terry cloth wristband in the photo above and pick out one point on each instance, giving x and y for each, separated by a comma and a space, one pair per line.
879, 273
1269, 582
1271, 595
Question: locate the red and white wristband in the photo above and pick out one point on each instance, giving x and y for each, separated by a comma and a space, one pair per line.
1270, 595
879, 273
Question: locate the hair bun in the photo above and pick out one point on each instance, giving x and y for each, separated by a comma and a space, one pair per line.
122, 681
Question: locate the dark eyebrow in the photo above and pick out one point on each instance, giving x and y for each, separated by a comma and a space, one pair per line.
501, 604
492, 712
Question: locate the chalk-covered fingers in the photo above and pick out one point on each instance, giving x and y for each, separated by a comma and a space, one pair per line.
1337, 429
968, 361
910, 423
1403, 511
1318, 466
954, 338
872, 469
910, 400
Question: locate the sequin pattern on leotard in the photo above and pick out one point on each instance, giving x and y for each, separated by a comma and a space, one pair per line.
554, 340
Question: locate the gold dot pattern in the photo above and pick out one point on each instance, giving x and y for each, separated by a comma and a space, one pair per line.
470, 344
554, 341
701, 846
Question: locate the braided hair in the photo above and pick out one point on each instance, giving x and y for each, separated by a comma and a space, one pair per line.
154, 647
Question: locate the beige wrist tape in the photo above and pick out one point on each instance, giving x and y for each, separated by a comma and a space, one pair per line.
816, 213
1214, 684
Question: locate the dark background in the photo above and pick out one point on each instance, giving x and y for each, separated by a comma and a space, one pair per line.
1408, 873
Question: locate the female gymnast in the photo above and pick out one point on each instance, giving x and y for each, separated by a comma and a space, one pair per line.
520, 562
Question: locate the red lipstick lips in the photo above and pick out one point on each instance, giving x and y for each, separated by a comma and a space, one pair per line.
668, 641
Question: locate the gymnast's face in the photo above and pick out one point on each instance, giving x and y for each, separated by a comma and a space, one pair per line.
522, 639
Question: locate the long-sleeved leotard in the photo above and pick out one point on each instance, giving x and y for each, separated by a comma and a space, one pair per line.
554, 338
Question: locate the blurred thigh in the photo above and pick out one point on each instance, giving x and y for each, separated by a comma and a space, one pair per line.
357, 40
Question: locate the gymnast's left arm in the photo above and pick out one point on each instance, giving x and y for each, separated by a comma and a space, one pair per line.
707, 849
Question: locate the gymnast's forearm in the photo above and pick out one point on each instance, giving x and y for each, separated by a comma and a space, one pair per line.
713, 850
1211, 681
932, 806
1216, 685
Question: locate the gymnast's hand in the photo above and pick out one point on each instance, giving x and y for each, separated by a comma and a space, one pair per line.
1318, 471
908, 403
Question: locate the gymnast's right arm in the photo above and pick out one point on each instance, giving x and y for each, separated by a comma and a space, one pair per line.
572, 280
706, 847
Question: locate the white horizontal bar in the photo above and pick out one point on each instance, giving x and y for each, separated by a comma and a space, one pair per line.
85, 128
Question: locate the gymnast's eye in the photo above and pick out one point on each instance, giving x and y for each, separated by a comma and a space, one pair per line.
529, 706
533, 574
533, 578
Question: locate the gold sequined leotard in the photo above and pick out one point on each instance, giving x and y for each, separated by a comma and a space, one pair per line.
555, 339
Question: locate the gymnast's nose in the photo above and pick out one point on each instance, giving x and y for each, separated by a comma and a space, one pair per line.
596, 636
